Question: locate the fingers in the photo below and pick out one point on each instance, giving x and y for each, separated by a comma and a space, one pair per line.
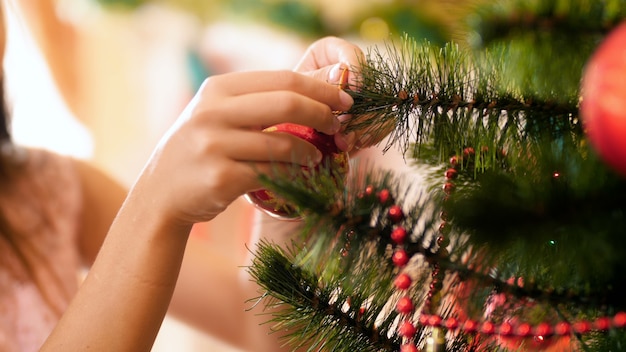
253, 99
257, 146
241, 83
327, 59
261, 110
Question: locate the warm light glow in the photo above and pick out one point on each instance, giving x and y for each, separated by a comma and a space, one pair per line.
40, 118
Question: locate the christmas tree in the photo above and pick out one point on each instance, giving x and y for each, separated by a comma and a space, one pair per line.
517, 241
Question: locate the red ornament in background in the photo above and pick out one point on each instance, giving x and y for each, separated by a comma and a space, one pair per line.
273, 205
603, 106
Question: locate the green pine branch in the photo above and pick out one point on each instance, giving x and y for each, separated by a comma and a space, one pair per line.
573, 19
452, 97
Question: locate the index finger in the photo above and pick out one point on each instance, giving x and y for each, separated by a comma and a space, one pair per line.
242, 83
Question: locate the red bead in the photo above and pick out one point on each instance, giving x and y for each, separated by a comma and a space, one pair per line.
408, 348
582, 327
470, 326
404, 305
407, 329
445, 228
451, 173
469, 151
423, 319
369, 190
523, 330
451, 323
506, 329
602, 323
434, 320
395, 213
488, 328
402, 281
398, 235
454, 161
544, 330
619, 320
400, 257
384, 196
448, 187
563, 328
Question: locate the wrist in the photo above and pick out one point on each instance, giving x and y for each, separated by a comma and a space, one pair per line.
152, 215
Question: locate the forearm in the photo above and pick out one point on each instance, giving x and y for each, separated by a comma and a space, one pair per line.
125, 296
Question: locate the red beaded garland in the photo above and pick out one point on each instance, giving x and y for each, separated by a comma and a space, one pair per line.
524, 330
405, 306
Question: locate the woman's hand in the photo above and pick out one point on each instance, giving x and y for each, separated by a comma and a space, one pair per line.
216, 149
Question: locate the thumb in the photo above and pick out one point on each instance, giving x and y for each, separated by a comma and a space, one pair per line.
337, 74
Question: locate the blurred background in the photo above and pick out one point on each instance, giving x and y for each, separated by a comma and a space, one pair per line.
103, 79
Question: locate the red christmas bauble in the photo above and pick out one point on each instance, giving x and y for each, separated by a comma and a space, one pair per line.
603, 105
272, 204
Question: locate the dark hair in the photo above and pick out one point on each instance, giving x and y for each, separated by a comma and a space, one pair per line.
5, 135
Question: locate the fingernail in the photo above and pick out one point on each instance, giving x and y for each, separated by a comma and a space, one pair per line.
344, 117
336, 125
336, 73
